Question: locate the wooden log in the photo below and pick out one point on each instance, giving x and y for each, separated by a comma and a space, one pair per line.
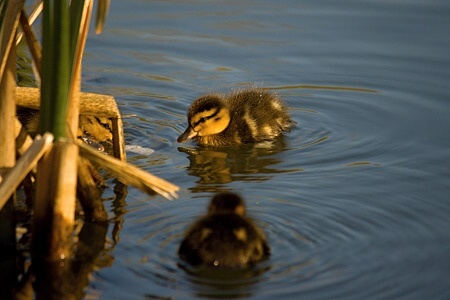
90, 105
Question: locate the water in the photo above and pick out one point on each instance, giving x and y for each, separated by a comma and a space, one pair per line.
354, 200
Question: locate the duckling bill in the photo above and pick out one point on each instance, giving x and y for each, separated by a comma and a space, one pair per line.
249, 116
225, 237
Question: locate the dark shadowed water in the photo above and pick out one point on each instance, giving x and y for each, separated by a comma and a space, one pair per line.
355, 200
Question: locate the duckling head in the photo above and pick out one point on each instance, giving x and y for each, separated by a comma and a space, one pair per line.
227, 202
208, 115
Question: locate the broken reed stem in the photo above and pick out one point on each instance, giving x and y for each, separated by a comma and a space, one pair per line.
23, 166
32, 41
12, 13
129, 174
37, 9
23, 139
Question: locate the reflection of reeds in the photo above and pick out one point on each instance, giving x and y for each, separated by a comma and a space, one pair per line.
53, 160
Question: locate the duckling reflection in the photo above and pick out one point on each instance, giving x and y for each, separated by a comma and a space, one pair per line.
248, 116
225, 237
250, 162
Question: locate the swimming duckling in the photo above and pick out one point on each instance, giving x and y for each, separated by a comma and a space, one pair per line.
225, 237
248, 116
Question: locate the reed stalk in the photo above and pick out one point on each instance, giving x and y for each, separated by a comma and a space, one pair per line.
55, 68
9, 16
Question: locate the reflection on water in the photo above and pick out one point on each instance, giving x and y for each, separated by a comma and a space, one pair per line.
68, 279
362, 163
224, 283
215, 165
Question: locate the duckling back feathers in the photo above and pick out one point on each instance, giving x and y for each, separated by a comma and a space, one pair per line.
223, 240
248, 116
225, 237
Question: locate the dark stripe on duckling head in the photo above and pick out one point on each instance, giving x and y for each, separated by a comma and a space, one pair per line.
204, 116
203, 109
204, 104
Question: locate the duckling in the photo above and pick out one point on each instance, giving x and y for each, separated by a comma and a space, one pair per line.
248, 116
225, 237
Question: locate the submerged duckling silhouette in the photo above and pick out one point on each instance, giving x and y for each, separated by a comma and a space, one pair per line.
248, 116
225, 237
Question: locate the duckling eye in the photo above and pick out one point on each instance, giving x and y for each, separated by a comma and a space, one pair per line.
201, 120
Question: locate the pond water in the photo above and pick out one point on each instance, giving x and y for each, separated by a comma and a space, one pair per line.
354, 200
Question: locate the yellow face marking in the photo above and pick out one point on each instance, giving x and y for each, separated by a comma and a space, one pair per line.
210, 121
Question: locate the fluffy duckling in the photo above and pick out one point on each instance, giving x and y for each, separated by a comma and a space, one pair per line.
225, 237
248, 116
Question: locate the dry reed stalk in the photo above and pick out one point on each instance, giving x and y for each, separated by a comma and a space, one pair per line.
9, 28
32, 41
23, 166
54, 212
23, 139
129, 174
7, 116
37, 9
8, 112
